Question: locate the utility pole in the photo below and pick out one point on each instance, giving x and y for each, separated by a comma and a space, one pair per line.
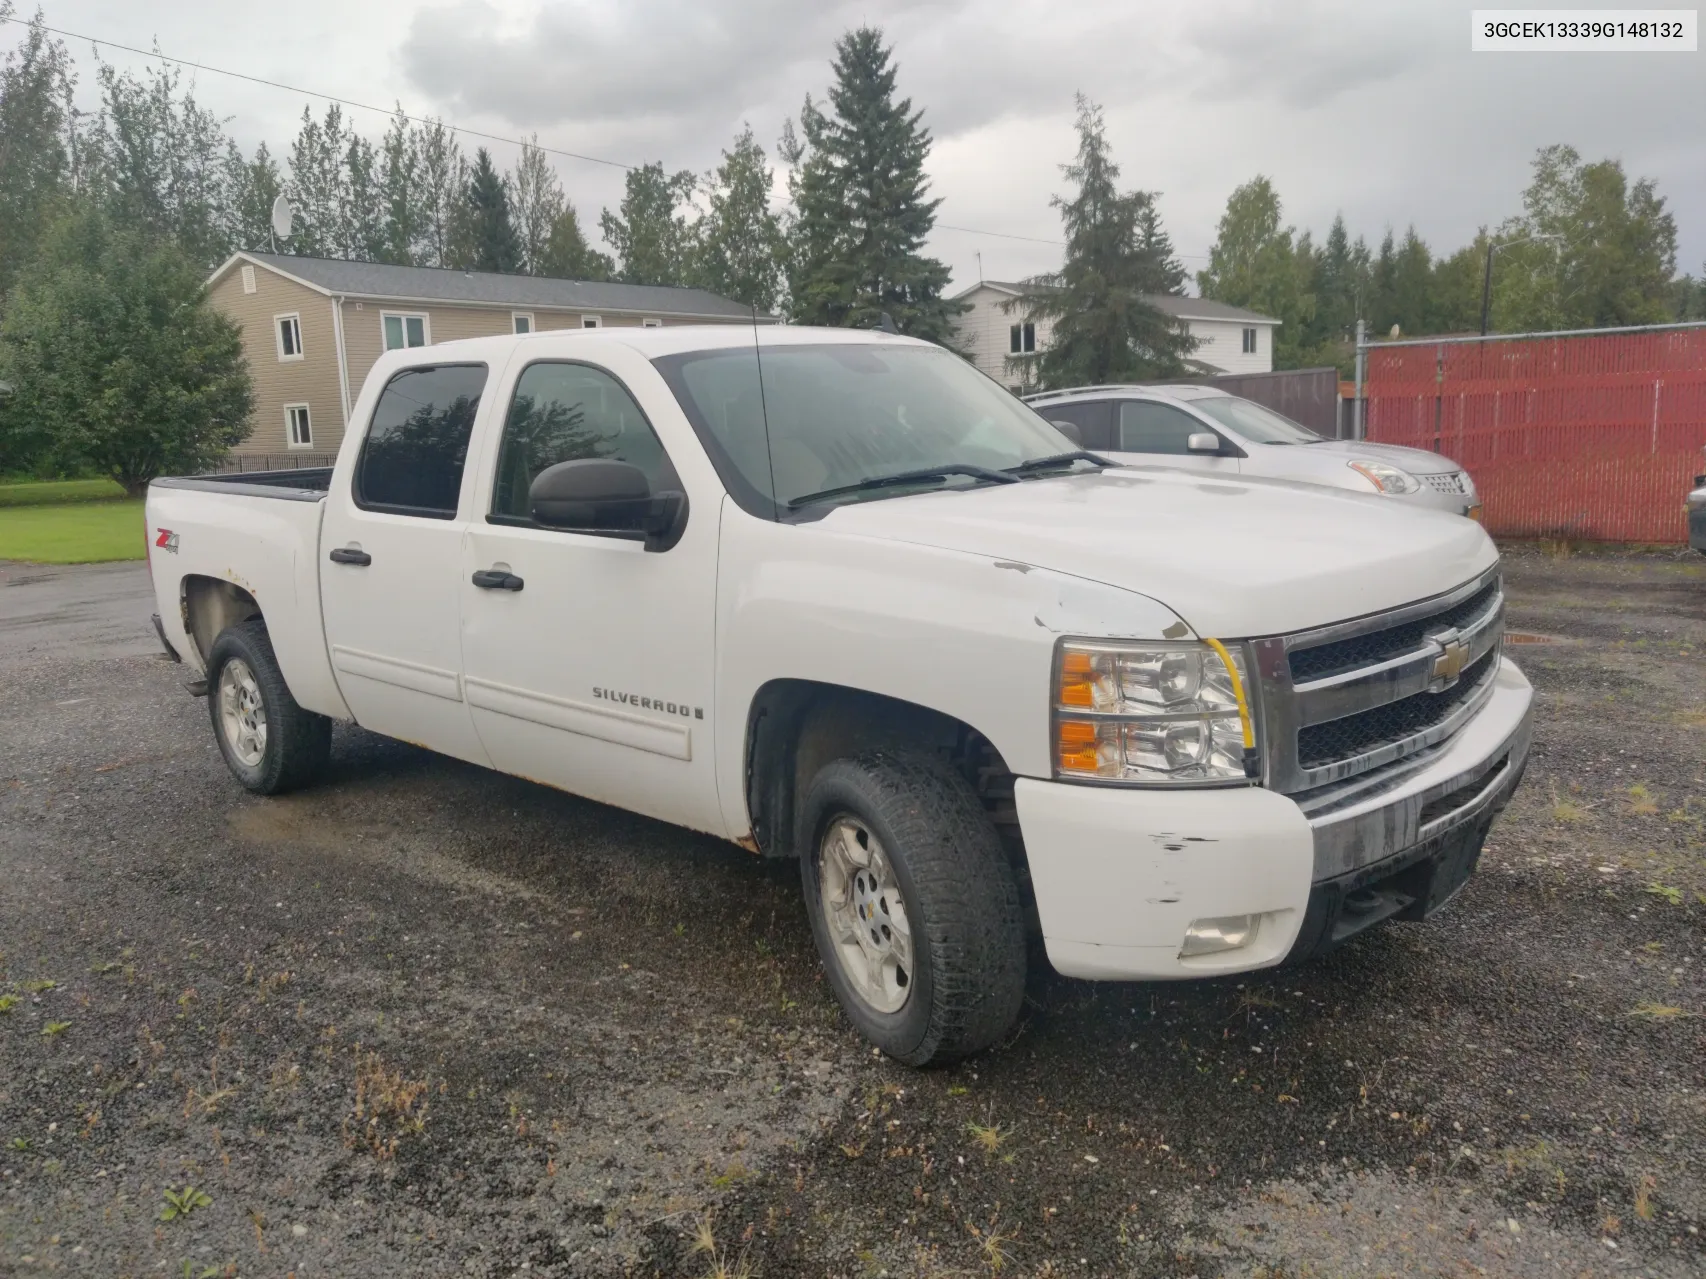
1362, 363
1487, 271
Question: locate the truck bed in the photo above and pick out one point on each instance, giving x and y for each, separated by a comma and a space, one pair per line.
306, 484
256, 534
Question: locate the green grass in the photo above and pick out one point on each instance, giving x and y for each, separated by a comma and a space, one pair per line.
72, 532
54, 492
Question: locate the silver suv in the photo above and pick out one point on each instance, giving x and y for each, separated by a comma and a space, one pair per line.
1202, 428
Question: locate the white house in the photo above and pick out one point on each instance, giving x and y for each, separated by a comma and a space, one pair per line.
1230, 339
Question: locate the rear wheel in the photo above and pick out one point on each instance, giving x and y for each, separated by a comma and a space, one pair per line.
913, 906
269, 742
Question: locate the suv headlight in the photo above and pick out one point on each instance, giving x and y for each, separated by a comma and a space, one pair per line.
1385, 477
1155, 714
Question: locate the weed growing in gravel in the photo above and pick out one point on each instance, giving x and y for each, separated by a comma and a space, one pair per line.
54, 1029
703, 1242
988, 1138
1641, 801
8, 1003
1669, 894
388, 1107
993, 1244
1644, 1197
1568, 811
181, 1203
1656, 1011
37, 987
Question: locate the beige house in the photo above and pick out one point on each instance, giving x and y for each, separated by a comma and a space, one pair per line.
1229, 338
313, 327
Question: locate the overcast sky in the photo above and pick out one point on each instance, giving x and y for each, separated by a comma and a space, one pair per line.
1375, 109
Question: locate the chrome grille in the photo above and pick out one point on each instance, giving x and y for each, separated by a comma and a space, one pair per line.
1352, 735
1321, 660
1346, 699
1445, 482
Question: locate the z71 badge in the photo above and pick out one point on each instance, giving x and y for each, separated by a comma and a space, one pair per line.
167, 541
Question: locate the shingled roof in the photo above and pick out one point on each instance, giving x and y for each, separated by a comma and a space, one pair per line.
381, 281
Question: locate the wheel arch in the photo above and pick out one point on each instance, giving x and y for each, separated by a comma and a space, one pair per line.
209, 605
794, 727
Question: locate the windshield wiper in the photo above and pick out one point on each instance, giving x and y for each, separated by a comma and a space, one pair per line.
1055, 460
918, 476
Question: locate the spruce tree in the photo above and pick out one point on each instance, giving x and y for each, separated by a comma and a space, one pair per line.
1116, 252
493, 244
863, 207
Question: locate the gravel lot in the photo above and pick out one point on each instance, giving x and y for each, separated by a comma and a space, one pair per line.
427, 1020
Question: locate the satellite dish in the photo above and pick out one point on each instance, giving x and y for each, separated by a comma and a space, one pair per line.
282, 217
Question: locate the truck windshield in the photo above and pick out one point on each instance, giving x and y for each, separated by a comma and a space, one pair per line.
842, 414
1256, 423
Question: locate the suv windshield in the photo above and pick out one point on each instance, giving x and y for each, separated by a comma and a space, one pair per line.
1254, 422
840, 414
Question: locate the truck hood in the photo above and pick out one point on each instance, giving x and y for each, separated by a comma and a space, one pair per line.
1233, 558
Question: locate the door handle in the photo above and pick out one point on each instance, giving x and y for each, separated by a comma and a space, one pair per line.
349, 555
495, 579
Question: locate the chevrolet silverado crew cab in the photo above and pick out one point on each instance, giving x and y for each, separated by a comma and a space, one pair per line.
837, 596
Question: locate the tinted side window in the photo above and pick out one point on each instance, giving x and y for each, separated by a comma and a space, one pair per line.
1148, 427
411, 461
1094, 420
562, 412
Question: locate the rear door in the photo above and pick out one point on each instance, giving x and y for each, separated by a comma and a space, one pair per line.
392, 545
588, 659
1159, 432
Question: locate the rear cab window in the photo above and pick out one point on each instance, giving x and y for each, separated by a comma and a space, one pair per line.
412, 460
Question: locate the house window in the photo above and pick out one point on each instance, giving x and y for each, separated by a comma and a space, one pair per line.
288, 330
403, 330
248, 279
650, 323
1022, 339
592, 322
1249, 341
520, 322
297, 429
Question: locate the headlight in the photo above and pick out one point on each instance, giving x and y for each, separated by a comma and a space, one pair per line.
1385, 477
1152, 713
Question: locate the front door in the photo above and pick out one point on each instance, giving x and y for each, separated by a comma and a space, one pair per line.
1162, 432
393, 548
588, 660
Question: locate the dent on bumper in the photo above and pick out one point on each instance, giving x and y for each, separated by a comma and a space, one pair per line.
1119, 875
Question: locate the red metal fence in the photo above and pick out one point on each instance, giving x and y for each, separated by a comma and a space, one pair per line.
1594, 437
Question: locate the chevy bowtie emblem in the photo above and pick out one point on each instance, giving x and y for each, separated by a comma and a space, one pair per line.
1450, 663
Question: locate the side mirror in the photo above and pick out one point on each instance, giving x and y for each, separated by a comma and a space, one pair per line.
1070, 431
606, 498
1202, 442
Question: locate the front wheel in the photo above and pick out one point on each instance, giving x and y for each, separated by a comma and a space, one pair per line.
913, 906
269, 742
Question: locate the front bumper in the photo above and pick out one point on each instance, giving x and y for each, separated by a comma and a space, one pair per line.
1120, 875
1455, 503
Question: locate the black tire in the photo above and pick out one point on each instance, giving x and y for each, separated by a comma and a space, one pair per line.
298, 742
967, 923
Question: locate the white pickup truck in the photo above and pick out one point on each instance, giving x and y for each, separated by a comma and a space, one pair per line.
835, 595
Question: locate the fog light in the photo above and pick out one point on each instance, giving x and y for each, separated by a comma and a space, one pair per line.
1211, 936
